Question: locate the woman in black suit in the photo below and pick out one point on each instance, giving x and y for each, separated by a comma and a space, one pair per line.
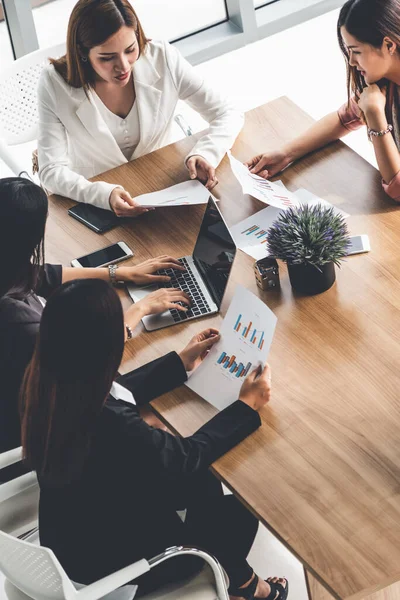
25, 283
110, 484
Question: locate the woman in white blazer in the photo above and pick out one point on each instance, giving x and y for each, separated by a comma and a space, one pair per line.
112, 98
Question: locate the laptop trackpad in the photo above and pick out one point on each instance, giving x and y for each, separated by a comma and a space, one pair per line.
151, 322
139, 293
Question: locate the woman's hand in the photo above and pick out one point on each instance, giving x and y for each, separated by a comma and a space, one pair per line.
156, 302
198, 347
268, 164
144, 272
162, 300
372, 100
256, 388
201, 169
124, 205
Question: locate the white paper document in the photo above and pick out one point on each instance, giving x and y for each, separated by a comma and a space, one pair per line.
262, 189
250, 235
188, 192
246, 335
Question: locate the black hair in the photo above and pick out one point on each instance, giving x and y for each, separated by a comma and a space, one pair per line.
23, 214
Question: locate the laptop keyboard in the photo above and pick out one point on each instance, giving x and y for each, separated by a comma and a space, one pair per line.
186, 281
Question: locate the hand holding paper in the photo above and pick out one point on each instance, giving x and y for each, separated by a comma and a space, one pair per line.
245, 338
256, 388
266, 191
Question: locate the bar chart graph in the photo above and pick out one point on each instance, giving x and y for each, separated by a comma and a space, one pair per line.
233, 365
249, 333
258, 232
245, 338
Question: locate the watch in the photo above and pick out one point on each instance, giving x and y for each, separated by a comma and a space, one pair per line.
129, 332
112, 271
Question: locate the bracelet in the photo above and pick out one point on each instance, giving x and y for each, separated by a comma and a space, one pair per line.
129, 332
371, 132
112, 271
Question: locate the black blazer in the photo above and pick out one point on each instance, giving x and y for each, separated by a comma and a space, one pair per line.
127, 491
19, 326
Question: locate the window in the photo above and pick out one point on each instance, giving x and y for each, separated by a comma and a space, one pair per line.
260, 3
202, 29
5, 46
178, 18
160, 19
55, 13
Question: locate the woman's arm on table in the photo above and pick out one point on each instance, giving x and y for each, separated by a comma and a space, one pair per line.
328, 129
225, 121
54, 171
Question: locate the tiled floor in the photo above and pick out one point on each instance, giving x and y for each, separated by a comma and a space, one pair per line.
305, 64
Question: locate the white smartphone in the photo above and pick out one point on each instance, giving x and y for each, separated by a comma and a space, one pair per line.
106, 256
359, 243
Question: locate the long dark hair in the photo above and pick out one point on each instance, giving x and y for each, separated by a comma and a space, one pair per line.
370, 21
91, 23
77, 354
23, 214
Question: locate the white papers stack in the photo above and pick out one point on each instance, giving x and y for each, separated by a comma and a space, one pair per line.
246, 335
250, 235
188, 192
266, 191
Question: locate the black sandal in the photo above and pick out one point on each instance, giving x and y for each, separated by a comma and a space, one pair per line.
278, 592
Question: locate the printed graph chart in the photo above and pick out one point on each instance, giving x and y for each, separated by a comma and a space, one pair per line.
232, 366
268, 188
249, 333
179, 199
256, 231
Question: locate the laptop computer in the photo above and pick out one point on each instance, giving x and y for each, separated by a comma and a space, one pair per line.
206, 276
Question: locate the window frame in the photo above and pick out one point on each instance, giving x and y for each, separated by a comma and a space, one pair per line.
245, 24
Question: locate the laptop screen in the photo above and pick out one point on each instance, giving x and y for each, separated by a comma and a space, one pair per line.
214, 252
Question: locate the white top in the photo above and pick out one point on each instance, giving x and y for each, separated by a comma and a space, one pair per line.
75, 144
126, 132
119, 392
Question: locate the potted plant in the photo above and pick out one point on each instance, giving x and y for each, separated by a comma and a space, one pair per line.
311, 240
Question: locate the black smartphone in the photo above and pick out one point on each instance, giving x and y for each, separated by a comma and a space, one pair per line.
97, 219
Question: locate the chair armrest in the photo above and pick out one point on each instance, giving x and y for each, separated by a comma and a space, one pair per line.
10, 457
17, 486
108, 584
221, 579
8, 156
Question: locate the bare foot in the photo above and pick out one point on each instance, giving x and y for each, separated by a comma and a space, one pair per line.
263, 588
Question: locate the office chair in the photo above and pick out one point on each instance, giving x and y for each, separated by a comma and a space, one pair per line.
18, 104
32, 572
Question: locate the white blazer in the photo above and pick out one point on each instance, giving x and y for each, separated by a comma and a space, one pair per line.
75, 142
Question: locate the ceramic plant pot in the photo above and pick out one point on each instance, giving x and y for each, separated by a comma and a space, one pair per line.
307, 279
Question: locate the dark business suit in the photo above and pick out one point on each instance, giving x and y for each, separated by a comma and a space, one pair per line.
123, 506
19, 326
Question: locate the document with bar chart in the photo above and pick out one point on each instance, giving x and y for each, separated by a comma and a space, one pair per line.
246, 336
267, 191
250, 235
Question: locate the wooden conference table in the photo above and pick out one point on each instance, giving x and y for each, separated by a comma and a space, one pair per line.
323, 473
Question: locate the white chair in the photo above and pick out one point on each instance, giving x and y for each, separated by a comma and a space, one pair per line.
18, 104
32, 572
19, 499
